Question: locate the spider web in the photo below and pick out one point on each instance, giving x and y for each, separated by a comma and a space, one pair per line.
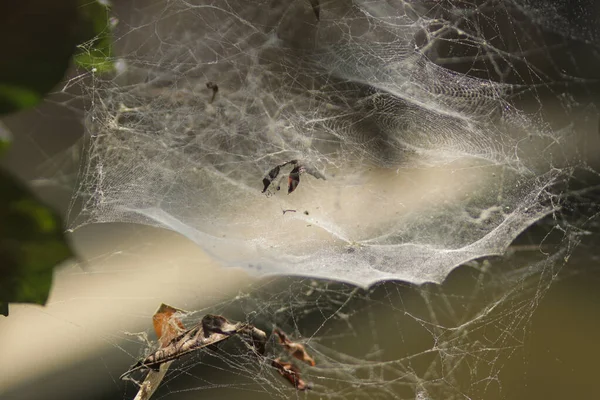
391, 341
444, 129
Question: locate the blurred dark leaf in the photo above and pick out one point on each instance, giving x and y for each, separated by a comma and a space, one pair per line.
95, 37
32, 243
38, 39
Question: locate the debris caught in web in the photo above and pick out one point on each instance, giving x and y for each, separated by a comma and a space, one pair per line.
293, 177
296, 350
441, 126
167, 326
212, 330
270, 177
176, 342
215, 88
290, 372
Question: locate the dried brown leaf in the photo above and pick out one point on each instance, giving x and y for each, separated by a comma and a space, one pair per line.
295, 349
212, 330
290, 372
166, 327
294, 179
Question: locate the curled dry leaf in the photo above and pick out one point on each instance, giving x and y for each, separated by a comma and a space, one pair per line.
167, 327
290, 372
293, 177
270, 177
295, 349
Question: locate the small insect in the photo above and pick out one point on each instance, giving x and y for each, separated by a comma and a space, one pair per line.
215, 88
293, 177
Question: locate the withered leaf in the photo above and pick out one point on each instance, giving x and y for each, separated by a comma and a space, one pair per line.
166, 327
270, 177
212, 330
294, 179
290, 372
295, 349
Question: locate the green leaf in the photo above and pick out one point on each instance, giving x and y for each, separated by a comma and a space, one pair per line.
4, 142
3, 146
32, 243
19, 97
95, 48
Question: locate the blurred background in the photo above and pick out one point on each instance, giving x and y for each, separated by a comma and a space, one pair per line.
501, 328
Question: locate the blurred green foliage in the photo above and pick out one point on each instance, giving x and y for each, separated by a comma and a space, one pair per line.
4, 144
39, 40
95, 46
32, 243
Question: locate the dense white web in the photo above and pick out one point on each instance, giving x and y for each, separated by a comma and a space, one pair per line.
454, 170
443, 130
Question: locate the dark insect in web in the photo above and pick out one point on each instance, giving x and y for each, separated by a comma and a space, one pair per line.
215, 88
293, 177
